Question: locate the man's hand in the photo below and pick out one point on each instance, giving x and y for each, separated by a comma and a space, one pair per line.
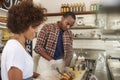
35, 75
60, 64
68, 71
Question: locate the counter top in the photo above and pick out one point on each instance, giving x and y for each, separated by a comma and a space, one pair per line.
101, 75
114, 67
79, 74
101, 71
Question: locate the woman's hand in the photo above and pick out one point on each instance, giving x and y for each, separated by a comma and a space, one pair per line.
35, 75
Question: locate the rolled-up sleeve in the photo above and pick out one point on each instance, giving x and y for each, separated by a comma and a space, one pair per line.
41, 40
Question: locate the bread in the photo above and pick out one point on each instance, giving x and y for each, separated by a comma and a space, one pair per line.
66, 76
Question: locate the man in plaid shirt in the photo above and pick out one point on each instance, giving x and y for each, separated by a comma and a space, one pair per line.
54, 41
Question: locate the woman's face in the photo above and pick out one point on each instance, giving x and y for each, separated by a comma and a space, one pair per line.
67, 23
31, 33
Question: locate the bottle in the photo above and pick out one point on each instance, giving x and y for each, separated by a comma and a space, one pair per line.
98, 6
67, 7
62, 8
73, 7
95, 7
79, 7
91, 7
73, 61
76, 7
83, 66
70, 6
84, 7
77, 64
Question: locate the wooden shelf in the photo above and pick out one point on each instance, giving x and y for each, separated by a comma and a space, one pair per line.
3, 19
110, 39
86, 38
88, 49
4, 39
77, 13
104, 39
85, 27
111, 32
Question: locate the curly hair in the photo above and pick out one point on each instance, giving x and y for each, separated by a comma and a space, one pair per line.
1, 2
23, 15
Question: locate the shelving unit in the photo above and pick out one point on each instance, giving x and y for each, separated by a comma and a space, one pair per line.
86, 38
111, 32
79, 27
4, 39
115, 34
77, 13
3, 19
110, 39
88, 49
3, 22
85, 27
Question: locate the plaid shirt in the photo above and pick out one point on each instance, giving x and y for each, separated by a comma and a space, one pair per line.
47, 40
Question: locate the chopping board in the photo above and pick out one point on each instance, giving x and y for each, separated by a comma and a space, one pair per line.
79, 74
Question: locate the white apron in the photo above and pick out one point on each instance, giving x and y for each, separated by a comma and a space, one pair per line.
46, 71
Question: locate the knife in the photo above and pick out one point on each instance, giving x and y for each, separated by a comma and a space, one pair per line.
59, 71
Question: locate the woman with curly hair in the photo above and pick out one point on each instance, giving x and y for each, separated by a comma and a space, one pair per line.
23, 20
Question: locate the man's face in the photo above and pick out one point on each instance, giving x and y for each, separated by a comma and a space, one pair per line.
67, 23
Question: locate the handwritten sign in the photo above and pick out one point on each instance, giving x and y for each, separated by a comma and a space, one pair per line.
29, 46
9, 3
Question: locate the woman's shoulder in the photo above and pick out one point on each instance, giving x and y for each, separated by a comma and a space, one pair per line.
12, 43
12, 46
